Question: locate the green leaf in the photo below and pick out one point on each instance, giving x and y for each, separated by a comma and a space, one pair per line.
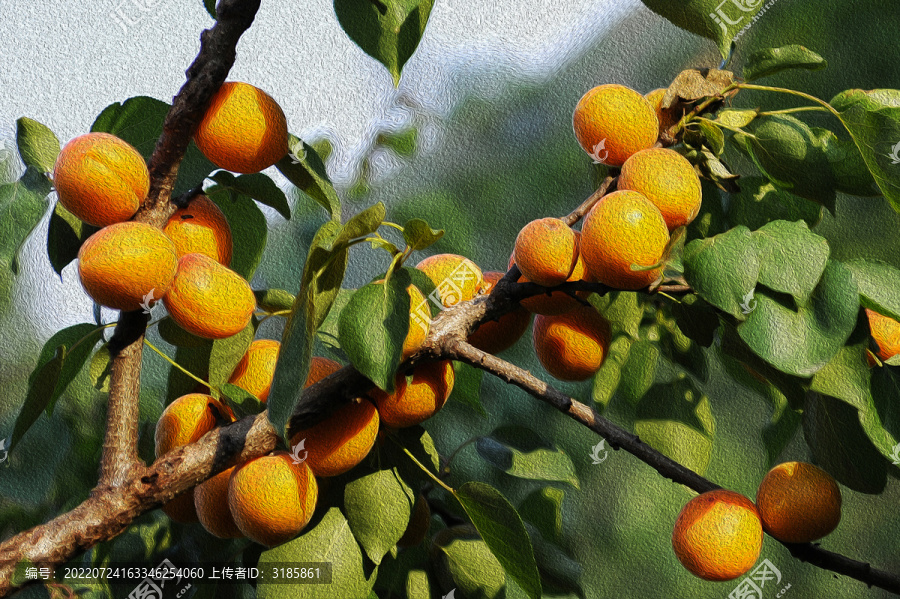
769, 61
362, 224
65, 235
194, 359
543, 509
418, 235
139, 121
378, 506
373, 326
681, 349
22, 205
417, 585
388, 30
851, 175
713, 137
560, 574
522, 453
759, 202
623, 309
274, 300
639, 370
421, 445
608, 378
402, 142
257, 186
675, 419
323, 274
504, 533
173, 334
38, 146
873, 119
210, 6
790, 155
242, 402
467, 387
723, 269
879, 286
782, 427
840, 446
59, 363
329, 541
712, 19
801, 342
100, 368
791, 258
225, 355
738, 118
249, 229
464, 562
303, 167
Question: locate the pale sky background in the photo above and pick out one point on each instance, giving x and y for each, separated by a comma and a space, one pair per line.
62, 63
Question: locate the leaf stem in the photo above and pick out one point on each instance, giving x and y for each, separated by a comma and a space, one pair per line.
792, 92
723, 126
388, 223
176, 364
427, 471
792, 110
100, 328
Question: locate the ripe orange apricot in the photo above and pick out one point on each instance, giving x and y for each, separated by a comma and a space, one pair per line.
501, 334
319, 368
612, 122
886, 333
244, 129
342, 440
798, 502
418, 397
255, 370
668, 180
184, 421
574, 345
272, 499
622, 229
546, 251
200, 227
121, 264
557, 302
456, 278
718, 535
101, 179
667, 117
211, 505
208, 299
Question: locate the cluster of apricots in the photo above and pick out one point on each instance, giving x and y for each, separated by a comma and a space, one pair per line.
718, 534
103, 181
272, 498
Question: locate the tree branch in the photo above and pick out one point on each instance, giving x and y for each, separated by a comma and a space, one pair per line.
205, 75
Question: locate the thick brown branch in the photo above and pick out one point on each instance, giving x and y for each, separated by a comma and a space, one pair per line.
110, 509
205, 75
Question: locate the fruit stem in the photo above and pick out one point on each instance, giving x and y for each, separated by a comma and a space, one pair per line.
269, 315
175, 364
